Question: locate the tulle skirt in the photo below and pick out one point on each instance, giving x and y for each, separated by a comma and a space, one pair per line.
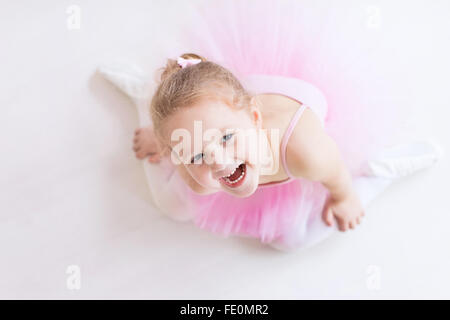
339, 51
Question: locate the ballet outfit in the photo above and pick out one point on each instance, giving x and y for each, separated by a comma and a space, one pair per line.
283, 211
312, 56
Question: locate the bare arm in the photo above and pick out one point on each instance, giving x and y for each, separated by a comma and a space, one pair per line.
314, 155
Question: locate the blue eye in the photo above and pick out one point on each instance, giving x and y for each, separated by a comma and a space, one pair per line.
197, 157
227, 137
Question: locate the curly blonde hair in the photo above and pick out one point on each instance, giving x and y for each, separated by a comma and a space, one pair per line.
183, 87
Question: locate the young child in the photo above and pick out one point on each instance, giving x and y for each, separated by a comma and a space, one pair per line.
322, 91
293, 196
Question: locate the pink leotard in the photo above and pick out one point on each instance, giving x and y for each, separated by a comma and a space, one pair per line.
283, 146
274, 208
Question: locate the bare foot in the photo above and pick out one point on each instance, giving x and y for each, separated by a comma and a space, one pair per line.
145, 144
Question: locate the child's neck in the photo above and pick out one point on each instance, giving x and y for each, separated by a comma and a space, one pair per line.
277, 111
273, 171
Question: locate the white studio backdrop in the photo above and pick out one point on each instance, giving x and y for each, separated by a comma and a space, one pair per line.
76, 219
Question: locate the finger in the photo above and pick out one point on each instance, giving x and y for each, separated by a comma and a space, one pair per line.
136, 148
358, 220
351, 224
343, 225
363, 214
137, 131
135, 139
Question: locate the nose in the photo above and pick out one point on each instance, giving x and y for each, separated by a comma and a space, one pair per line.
215, 157
212, 155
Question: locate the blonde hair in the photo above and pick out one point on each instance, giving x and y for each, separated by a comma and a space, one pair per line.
183, 87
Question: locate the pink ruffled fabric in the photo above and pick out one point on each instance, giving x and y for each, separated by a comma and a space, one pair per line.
267, 214
329, 47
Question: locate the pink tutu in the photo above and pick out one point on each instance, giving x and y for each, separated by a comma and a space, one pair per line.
331, 49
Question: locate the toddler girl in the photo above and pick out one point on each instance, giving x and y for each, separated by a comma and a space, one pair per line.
256, 158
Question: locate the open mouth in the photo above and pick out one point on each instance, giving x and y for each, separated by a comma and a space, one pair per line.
236, 178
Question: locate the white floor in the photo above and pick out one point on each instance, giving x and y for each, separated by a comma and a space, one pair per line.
72, 193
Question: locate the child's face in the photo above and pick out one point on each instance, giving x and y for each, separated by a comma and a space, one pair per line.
216, 144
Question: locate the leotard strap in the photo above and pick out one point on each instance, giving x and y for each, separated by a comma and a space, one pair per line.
286, 137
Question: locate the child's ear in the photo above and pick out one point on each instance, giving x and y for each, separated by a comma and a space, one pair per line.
255, 113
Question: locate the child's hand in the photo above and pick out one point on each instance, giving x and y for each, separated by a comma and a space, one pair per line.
145, 144
348, 211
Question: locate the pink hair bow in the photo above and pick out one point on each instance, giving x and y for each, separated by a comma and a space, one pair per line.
187, 62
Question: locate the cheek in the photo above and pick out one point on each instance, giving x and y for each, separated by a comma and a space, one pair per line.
247, 147
200, 174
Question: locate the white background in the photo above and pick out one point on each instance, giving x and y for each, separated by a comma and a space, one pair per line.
72, 192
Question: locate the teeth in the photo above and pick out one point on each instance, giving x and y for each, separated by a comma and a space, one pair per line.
231, 173
235, 181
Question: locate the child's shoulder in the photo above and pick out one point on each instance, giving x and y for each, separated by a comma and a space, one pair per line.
278, 111
308, 144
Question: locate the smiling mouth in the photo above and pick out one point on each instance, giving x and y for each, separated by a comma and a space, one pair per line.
236, 178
